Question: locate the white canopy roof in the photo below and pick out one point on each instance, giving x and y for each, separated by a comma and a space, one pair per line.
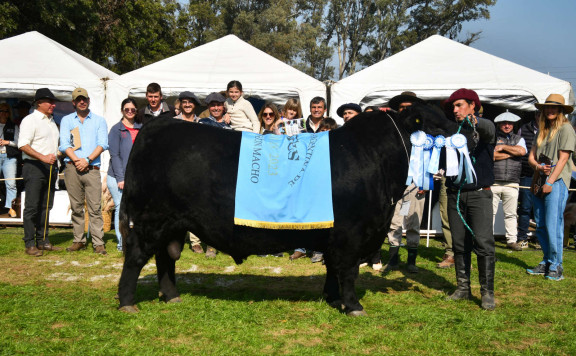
437, 66
209, 68
31, 60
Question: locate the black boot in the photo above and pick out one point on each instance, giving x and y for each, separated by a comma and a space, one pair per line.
393, 259
486, 267
462, 267
412, 254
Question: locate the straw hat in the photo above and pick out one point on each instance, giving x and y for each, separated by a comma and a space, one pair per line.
555, 100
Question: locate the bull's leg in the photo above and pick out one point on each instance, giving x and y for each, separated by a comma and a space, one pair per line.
134, 261
347, 278
331, 286
166, 270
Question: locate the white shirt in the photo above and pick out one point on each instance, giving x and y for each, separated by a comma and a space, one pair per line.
40, 132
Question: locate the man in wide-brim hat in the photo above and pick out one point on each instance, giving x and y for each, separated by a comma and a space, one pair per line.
38, 141
405, 99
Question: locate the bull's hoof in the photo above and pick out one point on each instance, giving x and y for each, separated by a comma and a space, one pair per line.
175, 300
357, 313
130, 309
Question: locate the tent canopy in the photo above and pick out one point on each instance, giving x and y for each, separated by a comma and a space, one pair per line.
209, 68
437, 66
32, 60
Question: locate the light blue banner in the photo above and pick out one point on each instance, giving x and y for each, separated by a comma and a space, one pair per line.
284, 182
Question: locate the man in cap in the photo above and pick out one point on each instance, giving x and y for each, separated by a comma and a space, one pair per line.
156, 106
215, 102
188, 102
508, 154
38, 142
348, 111
414, 198
83, 137
470, 203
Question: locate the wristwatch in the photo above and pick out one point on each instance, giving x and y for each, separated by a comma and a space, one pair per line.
88, 160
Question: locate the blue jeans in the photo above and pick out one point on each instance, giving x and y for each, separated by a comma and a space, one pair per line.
549, 215
8, 166
117, 197
524, 208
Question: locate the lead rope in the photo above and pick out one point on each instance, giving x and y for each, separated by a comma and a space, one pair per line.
464, 181
402, 138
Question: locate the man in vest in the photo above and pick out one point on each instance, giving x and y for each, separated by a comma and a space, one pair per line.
508, 154
528, 131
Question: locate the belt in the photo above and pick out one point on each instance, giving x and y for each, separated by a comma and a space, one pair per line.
453, 190
90, 167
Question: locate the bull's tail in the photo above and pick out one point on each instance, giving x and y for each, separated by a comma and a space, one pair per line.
124, 222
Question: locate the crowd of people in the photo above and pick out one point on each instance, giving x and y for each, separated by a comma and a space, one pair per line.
505, 157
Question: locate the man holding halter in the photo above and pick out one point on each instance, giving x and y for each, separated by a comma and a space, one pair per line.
470, 203
38, 142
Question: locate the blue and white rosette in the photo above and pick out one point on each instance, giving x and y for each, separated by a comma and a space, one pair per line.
416, 167
428, 179
458, 159
439, 142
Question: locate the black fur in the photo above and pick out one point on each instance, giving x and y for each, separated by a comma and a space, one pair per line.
182, 177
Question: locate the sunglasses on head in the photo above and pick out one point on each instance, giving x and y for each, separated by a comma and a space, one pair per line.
129, 110
271, 114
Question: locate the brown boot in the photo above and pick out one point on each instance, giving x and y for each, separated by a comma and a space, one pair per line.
447, 262
296, 255
76, 246
100, 249
33, 251
197, 249
49, 247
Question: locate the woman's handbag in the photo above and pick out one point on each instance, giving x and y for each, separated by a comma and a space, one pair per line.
539, 178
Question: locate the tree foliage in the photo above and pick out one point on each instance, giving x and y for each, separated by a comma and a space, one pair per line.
311, 35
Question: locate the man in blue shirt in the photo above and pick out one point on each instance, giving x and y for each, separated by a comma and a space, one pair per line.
83, 137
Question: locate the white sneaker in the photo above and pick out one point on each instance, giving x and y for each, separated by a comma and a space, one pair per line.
523, 244
377, 266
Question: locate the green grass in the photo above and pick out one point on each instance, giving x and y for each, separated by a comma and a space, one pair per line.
63, 303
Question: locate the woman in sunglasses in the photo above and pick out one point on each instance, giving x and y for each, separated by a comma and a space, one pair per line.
269, 118
8, 154
120, 140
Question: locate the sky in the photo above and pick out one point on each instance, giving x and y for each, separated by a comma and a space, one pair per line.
538, 34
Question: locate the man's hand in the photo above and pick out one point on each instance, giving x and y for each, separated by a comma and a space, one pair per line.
50, 159
121, 185
81, 165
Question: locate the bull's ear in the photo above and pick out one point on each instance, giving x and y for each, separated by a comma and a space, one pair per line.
412, 119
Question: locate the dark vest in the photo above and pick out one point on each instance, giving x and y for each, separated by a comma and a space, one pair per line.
508, 169
528, 132
9, 132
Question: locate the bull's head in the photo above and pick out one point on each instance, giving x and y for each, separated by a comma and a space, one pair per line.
433, 121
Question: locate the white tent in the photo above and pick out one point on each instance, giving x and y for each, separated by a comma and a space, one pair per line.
31, 60
209, 68
436, 67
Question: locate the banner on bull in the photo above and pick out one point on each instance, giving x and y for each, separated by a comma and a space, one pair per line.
284, 182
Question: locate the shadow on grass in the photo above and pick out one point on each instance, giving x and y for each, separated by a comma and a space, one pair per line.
67, 237
251, 287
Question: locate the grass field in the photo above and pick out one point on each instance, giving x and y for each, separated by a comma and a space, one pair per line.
63, 303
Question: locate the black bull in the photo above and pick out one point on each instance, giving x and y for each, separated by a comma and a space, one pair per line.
182, 177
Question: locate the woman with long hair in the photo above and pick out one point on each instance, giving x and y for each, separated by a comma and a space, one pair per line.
8, 154
269, 118
550, 156
120, 141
